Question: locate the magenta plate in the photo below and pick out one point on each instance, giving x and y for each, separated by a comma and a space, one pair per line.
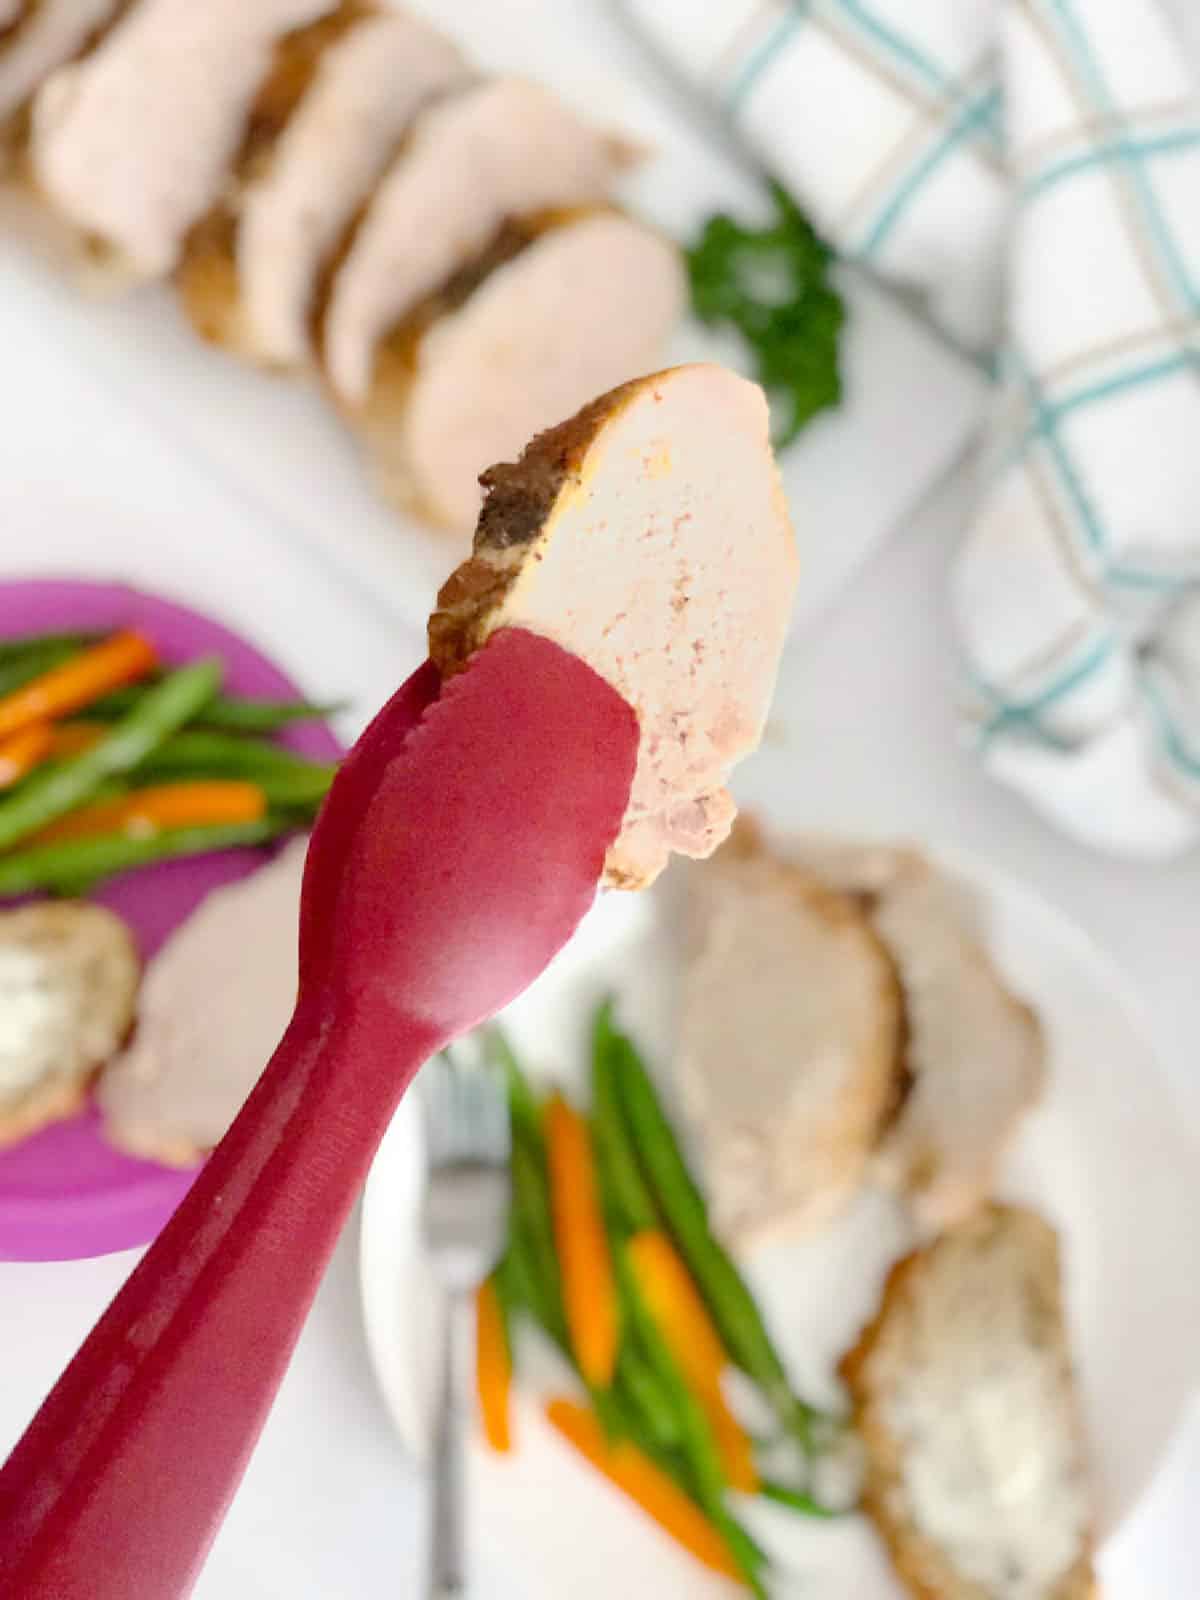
65, 1192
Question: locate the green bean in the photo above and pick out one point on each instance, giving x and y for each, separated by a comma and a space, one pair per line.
795, 1500
731, 1304
705, 1476
192, 752
224, 713
626, 1192
637, 1406
302, 787
523, 1112
617, 1419
531, 1203
32, 644
696, 1438
110, 789
18, 670
649, 1396
67, 865
520, 1279
531, 1229
265, 716
49, 795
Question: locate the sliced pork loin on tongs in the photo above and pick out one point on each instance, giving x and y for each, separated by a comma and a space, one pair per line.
36, 38
133, 144
556, 310
505, 149
323, 129
649, 536
974, 1059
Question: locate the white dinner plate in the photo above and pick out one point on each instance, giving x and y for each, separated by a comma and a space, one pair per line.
1106, 1157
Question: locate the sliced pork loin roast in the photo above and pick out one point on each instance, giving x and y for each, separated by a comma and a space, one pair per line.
555, 310
36, 38
324, 126
974, 1057
501, 150
133, 144
68, 986
964, 1396
214, 1004
648, 535
790, 1034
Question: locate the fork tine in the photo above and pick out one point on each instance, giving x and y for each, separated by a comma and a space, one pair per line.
466, 1111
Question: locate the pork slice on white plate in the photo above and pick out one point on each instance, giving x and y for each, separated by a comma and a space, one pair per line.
215, 1001
964, 1395
649, 535
132, 144
789, 1040
251, 271
974, 1056
43, 36
553, 314
505, 148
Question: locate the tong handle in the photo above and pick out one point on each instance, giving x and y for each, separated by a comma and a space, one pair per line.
162, 1405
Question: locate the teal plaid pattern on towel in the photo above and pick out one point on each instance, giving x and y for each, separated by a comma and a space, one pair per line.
885, 117
1078, 589
1032, 169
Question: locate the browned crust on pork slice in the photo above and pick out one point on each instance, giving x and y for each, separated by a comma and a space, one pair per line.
924, 1568
15, 129
397, 358
207, 276
52, 1101
519, 497
14, 23
148, 1143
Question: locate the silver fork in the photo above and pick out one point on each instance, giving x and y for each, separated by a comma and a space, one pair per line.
466, 1215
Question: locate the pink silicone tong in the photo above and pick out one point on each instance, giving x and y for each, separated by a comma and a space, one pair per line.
460, 846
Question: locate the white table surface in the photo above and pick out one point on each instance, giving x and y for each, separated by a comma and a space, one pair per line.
864, 738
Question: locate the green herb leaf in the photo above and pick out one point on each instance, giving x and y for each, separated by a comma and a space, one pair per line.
771, 284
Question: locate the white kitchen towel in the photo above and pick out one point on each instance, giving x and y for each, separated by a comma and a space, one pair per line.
1032, 169
884, 117
1078, 589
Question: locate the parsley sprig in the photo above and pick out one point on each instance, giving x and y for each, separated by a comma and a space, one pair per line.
772, 285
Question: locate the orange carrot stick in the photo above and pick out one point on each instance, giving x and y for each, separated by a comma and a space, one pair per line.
493, 1367
166, 805
624, 1465
122, 658
682, 1318
733, 1444
589, 1288
22, 751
